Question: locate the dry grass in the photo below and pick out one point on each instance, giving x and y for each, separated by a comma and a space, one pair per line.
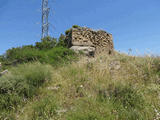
118, 87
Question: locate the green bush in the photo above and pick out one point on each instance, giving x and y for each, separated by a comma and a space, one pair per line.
1, 58
61, 41
59, 55
46, 51
75, 26
22, 54
52, 56
46, 43
67, 31
22, 83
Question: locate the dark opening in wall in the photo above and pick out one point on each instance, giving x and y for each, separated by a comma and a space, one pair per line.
91, 54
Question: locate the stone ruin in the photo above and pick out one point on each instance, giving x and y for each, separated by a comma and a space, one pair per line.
89, 41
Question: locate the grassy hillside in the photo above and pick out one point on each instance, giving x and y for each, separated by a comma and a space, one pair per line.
118, 87
48, 81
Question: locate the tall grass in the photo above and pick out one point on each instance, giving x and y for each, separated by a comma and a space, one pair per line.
112, 87
44, 109
20, 84
117, 87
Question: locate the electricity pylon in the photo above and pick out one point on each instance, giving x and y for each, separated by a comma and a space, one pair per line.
45, 14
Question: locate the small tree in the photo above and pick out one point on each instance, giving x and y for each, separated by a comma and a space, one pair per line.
61, 41
46, 43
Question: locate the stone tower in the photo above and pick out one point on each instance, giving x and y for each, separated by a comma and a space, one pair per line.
88, 40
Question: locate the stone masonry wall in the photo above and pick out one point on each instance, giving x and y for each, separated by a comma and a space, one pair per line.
100, 40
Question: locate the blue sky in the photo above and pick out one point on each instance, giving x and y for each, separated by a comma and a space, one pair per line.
134, 24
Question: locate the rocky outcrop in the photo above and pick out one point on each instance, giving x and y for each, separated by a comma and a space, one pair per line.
82, 38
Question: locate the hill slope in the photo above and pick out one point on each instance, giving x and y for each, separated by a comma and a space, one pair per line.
118, 87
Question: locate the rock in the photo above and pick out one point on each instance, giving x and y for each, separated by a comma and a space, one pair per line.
4, 72
87, 50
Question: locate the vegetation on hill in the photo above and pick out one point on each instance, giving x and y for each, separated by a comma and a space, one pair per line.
103, 88
30, 67
20, 84
49, 51
46, 83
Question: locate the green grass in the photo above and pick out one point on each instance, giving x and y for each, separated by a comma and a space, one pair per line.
44, 109
91, 89
21, 84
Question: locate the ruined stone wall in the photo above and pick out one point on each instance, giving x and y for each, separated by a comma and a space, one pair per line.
100, 40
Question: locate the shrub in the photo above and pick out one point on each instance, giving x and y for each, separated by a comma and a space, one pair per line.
22, 54
61, 41
46, 51
75, 26
22, 83
52, 56
67, 31
59, 55
1, 58
46, 43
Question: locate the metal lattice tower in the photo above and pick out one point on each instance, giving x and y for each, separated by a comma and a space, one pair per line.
45, 14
